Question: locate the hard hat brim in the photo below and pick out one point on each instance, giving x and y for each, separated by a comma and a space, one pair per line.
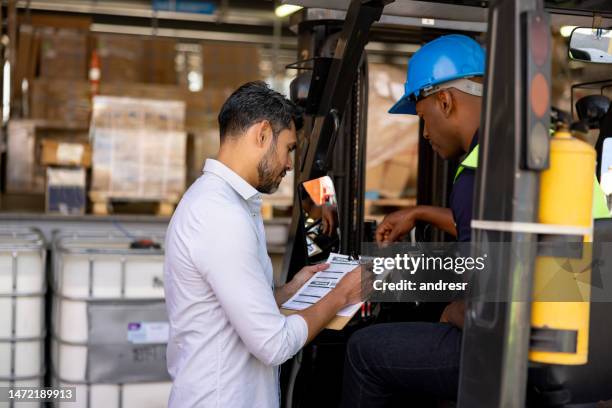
404, 106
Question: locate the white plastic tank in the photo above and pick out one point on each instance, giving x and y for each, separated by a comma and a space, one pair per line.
22, 310
109, 328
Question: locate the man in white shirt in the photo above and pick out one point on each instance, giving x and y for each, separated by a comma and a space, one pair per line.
227, 336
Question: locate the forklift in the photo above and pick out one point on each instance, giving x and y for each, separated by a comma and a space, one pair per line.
502, 341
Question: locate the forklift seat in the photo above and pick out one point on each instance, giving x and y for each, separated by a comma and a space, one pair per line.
605, 125
591, 109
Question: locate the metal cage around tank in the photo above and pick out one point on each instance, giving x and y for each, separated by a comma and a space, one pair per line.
101, 288
22, 309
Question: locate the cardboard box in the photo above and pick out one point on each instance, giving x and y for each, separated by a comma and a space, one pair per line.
57, 153
374, 178
66, 189
123, 113
65, 102
24, 172
129, 58
23, 175
201, 145
229, 66
397, 174
394, 177
393, 140
142, 90
139, 148
121, 57
388, 135
202, 107
63, 54
158, 64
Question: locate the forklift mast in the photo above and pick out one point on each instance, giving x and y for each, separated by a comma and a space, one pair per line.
335, 125
496, 335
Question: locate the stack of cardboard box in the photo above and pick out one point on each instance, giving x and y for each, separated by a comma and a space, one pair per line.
49, 47
229, 66
63, 53
42, 159
129, 58
121, 57
23, 172
393, 140
53, 91
61, 101
139, 149
159, 66
66, 175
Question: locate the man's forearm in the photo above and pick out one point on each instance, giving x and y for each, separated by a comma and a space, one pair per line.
283, 293
318, 315
439, 217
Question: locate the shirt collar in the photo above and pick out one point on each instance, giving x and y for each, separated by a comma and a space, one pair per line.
474, 140
239, 184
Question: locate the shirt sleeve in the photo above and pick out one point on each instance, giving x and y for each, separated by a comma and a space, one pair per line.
227, 257
462, 198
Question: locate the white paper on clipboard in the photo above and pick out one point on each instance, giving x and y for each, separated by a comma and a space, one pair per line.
321, 283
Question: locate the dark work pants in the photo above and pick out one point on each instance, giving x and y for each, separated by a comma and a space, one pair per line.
415, 360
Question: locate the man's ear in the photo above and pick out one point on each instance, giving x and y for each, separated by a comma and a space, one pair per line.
445, 102
263, 133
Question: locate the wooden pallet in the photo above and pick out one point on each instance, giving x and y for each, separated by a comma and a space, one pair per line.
102, 203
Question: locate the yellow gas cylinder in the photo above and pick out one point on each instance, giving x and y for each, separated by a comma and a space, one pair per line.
561, 294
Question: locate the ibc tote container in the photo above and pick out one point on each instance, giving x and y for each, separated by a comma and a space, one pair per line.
109, 324
22, 307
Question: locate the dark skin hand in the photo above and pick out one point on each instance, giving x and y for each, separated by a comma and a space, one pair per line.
454, 313
397, 224
328, 222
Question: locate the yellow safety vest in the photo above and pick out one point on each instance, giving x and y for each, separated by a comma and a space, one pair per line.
600, 204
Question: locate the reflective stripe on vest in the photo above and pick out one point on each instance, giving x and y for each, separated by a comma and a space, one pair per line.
470, 162
600, 204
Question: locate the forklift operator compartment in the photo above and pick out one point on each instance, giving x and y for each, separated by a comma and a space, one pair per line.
519, 196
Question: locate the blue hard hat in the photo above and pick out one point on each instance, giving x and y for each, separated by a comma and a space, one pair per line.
444, 59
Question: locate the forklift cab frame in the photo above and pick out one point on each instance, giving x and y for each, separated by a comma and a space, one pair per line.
332, 71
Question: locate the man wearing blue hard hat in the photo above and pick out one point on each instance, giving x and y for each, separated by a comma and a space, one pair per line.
444, 88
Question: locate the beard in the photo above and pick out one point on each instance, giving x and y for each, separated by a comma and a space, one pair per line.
269, 177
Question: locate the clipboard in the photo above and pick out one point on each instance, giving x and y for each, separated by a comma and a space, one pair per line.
337, 323
319, 285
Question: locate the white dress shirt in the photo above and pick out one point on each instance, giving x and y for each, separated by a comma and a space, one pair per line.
227, 336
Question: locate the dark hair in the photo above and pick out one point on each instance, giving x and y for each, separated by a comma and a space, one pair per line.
254, 102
